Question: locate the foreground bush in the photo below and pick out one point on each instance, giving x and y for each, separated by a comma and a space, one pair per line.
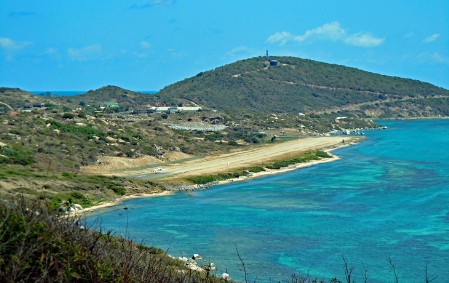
39, 246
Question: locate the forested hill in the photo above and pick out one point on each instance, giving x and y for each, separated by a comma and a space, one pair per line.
299, 85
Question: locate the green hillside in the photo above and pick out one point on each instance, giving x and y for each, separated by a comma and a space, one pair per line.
14, 98
299, 85
125, 98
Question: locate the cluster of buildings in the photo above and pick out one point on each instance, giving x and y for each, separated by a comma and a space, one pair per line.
114, 106
30, 108
166, 109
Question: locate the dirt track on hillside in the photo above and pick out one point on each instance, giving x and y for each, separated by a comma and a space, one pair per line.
110, 164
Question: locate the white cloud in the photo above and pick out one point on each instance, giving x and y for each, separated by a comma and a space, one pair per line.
145, 44
10, 44
51, 51
163, 2
434, 57
363, 40
280, 37
242, 52
84, 53
7, 42
175, 53
153, 3
408, 35
11, 47
331, 31
431, 38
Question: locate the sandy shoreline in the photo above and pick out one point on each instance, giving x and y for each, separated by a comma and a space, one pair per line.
291, 167
177, 171
243, 178
281, 170
123, 198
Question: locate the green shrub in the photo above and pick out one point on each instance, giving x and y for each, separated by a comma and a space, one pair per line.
322, 154
317, 155
22, 190
65, 199
79, 198
217, 177
68, 175
16, 154
203, 179
68, 115
119, 190
255, 169
87, 131
38, 246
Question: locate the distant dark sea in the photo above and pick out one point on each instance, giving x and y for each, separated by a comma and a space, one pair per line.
386, 198
73, 92
57, 92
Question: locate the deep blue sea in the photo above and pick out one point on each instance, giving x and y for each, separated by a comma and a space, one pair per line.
58, 92
387, 198
73, 92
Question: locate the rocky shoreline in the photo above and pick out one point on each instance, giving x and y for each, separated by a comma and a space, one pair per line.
170, 190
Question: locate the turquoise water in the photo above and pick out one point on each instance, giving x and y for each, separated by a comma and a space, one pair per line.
386, 198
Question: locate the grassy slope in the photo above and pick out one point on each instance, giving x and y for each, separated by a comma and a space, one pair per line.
41, 153
17, 98
125, 98
299, 85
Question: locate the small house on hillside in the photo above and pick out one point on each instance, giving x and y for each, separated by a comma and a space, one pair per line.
176, 109
144, 110
27, 108
161, 109
168, 110
110, 104
274, 63
190, 108
34, 107
212, 120
173, 109
339, 119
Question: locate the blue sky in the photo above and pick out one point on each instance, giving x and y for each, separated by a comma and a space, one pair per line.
148, 44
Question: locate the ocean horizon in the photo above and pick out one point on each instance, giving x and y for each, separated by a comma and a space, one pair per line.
384, 201
75, 92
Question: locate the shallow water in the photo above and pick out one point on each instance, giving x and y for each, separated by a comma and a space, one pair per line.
386, 198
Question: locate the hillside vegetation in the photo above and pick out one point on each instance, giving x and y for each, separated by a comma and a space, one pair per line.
249, 101
14, 98
46, 142
39, 246
127, 99
299, 85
